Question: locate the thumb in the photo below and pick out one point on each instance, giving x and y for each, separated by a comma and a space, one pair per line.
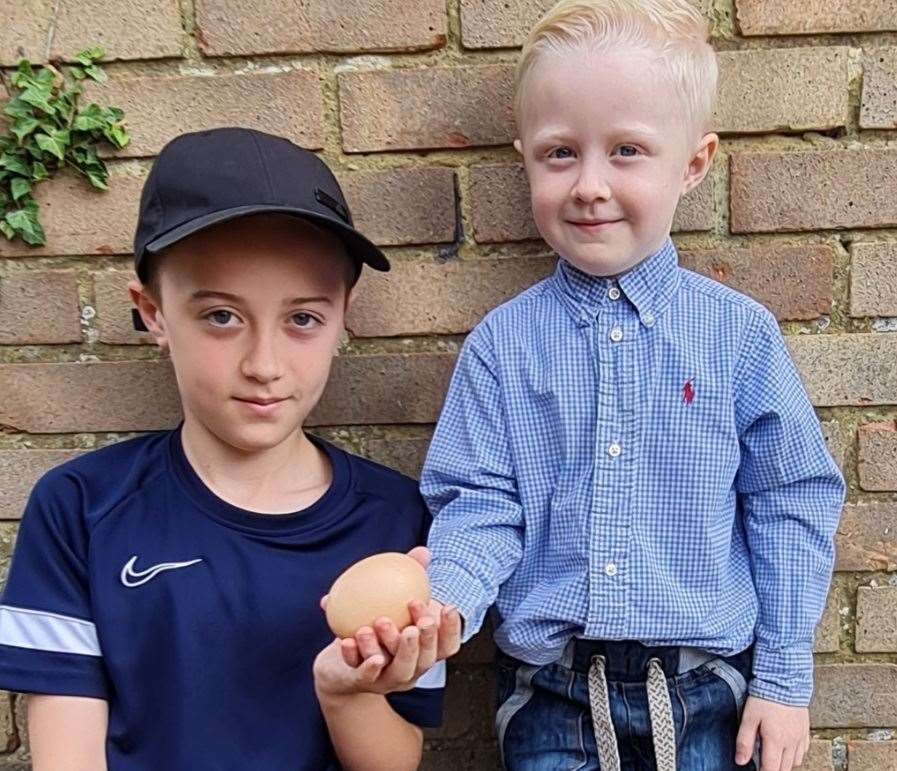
323, 602
746, 739
421, 554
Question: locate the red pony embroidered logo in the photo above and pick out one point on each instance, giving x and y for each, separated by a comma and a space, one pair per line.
688, 391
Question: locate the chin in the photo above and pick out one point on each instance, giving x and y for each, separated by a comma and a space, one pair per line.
257, 438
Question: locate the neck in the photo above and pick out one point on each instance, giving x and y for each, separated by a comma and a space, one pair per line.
277, 480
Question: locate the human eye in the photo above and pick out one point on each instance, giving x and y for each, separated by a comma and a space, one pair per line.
304, 320
561, 153
221, 318
627, 151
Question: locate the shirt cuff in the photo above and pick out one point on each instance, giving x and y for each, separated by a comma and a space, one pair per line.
451, 584
782, 675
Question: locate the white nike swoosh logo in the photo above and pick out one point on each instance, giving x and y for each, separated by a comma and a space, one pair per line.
128, 574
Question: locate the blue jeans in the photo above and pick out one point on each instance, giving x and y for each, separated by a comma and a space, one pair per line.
544, 720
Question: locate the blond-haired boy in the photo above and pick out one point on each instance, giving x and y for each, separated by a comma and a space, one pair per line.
627, 464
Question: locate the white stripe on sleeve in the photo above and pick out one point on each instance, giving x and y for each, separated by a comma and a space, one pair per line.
39, 630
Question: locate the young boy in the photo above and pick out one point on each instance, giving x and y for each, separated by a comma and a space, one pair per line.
627, 463
164, 595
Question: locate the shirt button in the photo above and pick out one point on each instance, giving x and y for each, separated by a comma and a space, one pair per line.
648, 319
613, 293
616, 334
610, 568
614, 450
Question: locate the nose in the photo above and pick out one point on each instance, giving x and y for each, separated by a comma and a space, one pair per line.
592, 182
262, 361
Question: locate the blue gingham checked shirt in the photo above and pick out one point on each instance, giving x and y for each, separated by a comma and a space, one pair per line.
635, 459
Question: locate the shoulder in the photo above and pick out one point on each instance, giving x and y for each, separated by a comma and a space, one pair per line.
93, 483
707, 290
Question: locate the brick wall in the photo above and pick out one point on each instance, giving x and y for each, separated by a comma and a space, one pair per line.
409, 100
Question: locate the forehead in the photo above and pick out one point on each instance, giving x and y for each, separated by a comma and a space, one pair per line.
589, 88
260, 255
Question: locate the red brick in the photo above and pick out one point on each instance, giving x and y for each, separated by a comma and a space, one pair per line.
113, 306
786, 17
142, 395
873, 279
75, 397
39, 307
838, 439
387, 388
876, 619
127, 29
232, 27
872, 756
764, 190
408, 109
854, 696
877, 460
828, 631
403, 454
794, 282
19, 470
403, 206
818, 757
810, 88
879, 106
867, 537
80, 220
855, 369
500, 201
157, 109
426, 298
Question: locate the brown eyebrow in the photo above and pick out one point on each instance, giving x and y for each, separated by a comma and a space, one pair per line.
205, 294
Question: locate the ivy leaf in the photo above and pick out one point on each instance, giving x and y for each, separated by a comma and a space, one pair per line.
54, 143
23, 76
7, 230
90, 119
15, 163
90, 55
19, 187
98, 178
26, 224
96, 73
17, 109
39, 172
37, 98
23, 127
113, 114
77, 73
117, 135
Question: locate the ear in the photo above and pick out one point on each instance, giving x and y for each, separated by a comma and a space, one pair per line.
701, 162
150, 311
518, 146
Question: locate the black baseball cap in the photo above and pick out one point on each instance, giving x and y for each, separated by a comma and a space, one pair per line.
208, 177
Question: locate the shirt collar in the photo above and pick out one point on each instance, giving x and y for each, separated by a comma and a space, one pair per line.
649, 286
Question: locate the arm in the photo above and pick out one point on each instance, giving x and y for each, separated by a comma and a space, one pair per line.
790, 492
469, 483
67, 733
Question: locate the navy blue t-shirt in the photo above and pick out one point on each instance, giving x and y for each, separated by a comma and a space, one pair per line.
196, 620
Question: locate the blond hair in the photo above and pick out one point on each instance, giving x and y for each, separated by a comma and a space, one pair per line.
673, 29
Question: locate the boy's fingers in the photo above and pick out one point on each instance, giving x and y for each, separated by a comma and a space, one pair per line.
746, 740
421, 554
349, 649
404, 665
770, 755
787, 760
418, 611
388, 634
449, 632
427, 644
368, 645
370, 669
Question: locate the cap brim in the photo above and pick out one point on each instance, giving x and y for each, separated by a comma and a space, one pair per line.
358, 247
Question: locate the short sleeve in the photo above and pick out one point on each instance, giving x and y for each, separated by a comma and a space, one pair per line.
48, 639
422, 705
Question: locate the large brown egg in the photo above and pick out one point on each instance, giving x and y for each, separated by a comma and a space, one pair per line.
381, 585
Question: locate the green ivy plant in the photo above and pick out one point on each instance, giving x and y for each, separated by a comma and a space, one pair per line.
47, 130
